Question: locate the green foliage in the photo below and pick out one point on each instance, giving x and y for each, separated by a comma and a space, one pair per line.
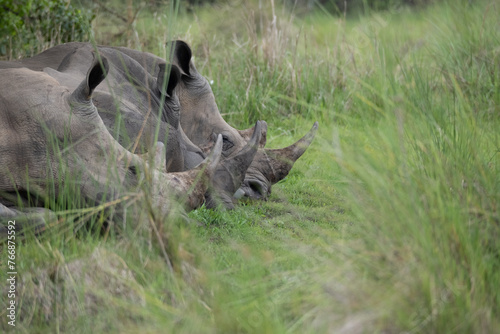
353, 6
388, 223
335, 6
28, 26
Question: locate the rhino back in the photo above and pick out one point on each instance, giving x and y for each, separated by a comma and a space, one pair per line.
27, 118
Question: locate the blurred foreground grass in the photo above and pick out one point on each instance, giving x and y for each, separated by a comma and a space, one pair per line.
388, 223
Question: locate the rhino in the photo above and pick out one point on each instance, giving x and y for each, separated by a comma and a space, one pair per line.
201, 120
144, 103
48, 133
146, 100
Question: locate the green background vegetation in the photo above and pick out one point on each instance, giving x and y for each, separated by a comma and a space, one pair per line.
388, 223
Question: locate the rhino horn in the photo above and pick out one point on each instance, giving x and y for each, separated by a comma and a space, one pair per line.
239, 163
231, 172
196, 180
247, 133
282, 160
95, 75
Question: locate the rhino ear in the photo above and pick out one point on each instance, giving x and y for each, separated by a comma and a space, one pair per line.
96, 74
170, 72
180, 54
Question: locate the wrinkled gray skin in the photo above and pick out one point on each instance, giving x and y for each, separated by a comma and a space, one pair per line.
142, 101
201, 121
131, 88
38, 113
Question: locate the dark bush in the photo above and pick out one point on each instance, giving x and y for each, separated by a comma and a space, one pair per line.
29, 26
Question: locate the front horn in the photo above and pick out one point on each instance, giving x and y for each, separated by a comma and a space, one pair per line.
231, 172
282, 159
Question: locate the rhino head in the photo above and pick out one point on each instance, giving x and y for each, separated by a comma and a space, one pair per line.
237, 155
231, 172
202, 121
271, 166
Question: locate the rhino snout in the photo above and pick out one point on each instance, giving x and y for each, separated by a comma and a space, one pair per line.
254, 189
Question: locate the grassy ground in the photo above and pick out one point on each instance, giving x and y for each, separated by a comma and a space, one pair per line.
388, 223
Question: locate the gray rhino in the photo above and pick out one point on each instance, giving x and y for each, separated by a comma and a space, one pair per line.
140, 100
49, 136
145, 101
202, 121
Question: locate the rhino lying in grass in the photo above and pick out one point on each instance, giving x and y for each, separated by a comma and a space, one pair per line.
202, 121
144, 100
133, 102
50, 136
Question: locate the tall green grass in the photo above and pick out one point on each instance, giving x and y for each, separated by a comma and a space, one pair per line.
388, 223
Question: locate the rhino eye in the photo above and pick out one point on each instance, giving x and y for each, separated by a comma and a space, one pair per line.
226, 143
135, 174
133, 170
